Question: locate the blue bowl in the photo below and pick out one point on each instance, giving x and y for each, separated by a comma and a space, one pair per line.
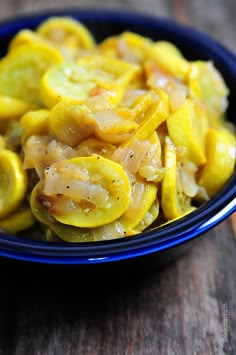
158, 246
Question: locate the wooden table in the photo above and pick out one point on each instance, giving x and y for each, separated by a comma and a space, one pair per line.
187, 308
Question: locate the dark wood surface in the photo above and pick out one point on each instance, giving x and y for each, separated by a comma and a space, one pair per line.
187, 308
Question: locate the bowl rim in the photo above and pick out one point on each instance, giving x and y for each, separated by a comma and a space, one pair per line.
151, 241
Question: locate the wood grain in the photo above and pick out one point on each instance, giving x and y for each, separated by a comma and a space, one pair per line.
187, 308
177, 311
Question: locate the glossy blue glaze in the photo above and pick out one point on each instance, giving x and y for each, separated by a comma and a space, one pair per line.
158, 241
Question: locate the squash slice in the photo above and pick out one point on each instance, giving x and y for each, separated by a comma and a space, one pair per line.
89, 76
143, 196
34, 123
18, 221
67, 35
187, 128
150, 216
220, 152
70, 123
169, 58
173, 202
206, 83
86, 191
13, 182
11, 108
21, 71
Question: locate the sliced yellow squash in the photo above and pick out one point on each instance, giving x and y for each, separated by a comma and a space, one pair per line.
66, 82
70, 233
90, 76
86, 191
129, 46
26, 37
187, 128
150, 216
109, 47
66, 34
11, 108
169, 58
173, 202
151, 166
70, 123
110, 127
169, 48
91, 146
155, 114
142, 197
141, 104
13, 182
220, 152
34, 123
21, 71
206, 83
65, 232
37, 208
18, 221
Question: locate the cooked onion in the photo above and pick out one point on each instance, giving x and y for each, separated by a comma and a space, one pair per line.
42, 151
186, 179
76, 189
109, 231
131, 157
137, 195
176, 90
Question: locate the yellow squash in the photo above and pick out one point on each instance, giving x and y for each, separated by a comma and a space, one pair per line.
70, 123
173, 202
11, 108
143, 196
187, 128
26, 37
34, 123
220, 152
206, 83
89, 76
67, 34
18, 221
155, 114
63, 231
87, 191
129, 46
150, 216
92, 146
13, 182
21, 71
169, 58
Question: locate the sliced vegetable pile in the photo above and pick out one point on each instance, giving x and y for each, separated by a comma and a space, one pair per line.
99, 141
